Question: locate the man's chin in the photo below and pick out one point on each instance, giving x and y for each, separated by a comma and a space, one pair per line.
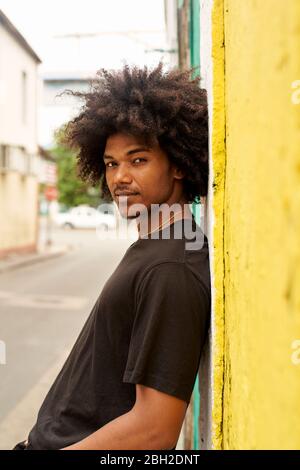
132, 212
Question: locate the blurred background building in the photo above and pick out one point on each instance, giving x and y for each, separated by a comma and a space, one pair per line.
56, 110
19, 152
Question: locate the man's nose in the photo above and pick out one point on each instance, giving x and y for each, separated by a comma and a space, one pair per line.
122, 174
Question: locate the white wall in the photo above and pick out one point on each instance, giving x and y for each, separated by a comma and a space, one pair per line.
171, 31
18, 133
56, 110
206, 365
13, 61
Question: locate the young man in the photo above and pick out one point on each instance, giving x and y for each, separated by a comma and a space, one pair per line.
130, 375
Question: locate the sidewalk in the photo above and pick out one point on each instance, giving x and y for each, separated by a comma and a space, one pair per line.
16, 260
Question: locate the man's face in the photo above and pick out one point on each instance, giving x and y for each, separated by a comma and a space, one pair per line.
133, 167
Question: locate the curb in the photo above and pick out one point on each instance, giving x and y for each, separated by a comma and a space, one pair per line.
38, 258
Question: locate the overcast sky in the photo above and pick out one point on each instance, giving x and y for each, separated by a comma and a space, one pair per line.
42, 22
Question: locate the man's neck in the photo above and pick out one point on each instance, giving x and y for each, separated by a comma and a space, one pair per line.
158, 219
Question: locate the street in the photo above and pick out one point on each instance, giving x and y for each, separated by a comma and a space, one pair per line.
42, 310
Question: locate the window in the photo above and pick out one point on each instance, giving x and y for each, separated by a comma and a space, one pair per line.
24, 97
4, 157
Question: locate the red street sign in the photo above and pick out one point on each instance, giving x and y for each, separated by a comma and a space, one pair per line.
51, 193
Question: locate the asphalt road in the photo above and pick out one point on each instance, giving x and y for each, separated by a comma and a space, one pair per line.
42, 310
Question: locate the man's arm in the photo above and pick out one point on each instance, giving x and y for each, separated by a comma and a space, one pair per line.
153, 423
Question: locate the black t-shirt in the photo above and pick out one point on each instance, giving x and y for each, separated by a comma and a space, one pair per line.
147, 327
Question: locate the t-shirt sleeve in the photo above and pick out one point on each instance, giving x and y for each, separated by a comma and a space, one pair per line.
169, 329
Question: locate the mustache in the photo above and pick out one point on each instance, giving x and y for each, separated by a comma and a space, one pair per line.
125, 190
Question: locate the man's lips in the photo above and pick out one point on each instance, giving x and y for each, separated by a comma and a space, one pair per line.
125, 194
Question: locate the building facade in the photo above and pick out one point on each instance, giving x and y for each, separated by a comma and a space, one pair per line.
19, 94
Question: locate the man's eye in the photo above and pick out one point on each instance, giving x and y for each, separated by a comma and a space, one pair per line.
111, 164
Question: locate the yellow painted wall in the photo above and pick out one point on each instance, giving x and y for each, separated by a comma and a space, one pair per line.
260, 217
18, 211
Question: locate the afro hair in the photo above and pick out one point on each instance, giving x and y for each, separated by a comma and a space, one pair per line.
149, 103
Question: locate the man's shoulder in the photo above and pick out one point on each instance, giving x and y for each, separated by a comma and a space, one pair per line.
186, 255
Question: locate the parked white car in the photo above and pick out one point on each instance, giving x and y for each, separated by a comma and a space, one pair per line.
84, 216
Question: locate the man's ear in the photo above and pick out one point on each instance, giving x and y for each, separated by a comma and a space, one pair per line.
178, 174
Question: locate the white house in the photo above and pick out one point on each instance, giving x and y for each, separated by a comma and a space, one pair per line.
19, 159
